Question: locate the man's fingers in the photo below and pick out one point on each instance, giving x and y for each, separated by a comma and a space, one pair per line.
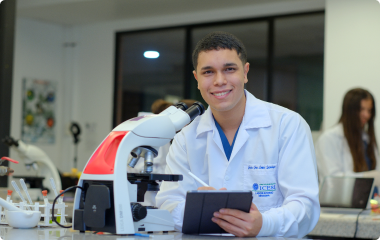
231, 219
206, 188
239, 223
234, 212
253, 207
223, 188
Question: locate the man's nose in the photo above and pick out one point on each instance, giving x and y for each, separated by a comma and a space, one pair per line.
219, 79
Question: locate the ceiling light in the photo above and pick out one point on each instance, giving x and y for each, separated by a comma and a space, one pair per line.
151, 54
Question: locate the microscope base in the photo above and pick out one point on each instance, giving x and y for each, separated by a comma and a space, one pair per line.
156, 220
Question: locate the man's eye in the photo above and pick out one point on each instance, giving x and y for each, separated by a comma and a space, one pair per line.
230, 69
207, 72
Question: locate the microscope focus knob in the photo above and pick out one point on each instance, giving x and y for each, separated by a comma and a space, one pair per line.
139, 212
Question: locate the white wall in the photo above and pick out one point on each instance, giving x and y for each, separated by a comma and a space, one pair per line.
352, 54
39, 54
96, 44
85, 73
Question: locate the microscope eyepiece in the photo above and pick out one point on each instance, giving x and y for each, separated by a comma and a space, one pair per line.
195, 110
181, 106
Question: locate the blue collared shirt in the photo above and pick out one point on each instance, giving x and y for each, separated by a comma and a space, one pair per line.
226, 145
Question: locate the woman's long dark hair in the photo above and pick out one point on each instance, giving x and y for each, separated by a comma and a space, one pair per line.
352, 128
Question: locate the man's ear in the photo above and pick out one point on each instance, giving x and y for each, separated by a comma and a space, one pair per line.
196, 77
246, 70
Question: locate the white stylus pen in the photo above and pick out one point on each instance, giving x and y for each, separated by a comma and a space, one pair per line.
198, 180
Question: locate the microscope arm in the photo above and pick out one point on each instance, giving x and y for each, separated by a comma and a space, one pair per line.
30, 153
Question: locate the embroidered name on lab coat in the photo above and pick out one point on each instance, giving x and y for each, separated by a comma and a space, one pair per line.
262, 168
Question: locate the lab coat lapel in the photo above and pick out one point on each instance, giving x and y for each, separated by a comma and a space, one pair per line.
240, 140
218, 142
255, 116
208, 126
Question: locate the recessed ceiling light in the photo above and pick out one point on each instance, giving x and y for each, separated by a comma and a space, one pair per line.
151, 54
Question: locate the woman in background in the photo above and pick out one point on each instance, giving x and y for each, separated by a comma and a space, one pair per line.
349, 148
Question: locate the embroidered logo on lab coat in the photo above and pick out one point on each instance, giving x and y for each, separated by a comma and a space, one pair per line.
264, 189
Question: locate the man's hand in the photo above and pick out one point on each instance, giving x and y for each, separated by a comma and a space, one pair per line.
210, 188
239, 223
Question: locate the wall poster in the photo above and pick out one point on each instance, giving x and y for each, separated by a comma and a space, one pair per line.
38, 116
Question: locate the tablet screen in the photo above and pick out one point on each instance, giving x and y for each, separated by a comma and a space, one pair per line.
201, 205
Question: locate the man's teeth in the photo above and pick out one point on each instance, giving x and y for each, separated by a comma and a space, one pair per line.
221, 94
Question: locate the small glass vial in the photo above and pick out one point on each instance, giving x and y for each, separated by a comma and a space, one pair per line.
9, 195
60, 199
44, 193
59, 212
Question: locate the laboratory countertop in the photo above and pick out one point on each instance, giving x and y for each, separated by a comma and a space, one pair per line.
344, 225
329, 225
10, 233
333, 224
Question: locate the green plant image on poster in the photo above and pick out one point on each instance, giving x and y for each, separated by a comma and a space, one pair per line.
38, 112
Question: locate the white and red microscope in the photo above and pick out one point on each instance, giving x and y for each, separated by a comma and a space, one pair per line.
35, 158
109, 198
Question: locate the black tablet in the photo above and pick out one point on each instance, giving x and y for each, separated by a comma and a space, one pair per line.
201, 205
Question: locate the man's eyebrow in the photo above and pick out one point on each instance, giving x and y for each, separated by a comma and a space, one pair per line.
206, 68
230, 65
224, 65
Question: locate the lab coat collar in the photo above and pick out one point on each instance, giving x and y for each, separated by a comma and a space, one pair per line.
256, 116
256, 113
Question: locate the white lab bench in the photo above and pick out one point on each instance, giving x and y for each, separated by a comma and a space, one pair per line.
329, 225
60, 233
335, 225
343, 225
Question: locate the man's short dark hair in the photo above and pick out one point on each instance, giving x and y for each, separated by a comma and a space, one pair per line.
217, 41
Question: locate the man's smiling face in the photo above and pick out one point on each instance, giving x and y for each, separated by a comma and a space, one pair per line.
221, 76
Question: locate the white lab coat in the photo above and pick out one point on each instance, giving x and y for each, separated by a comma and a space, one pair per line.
270, 137
334, 156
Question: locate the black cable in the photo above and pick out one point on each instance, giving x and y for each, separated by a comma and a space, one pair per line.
357, 221
55, 199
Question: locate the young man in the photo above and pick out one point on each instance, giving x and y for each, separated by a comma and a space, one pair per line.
242, 143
